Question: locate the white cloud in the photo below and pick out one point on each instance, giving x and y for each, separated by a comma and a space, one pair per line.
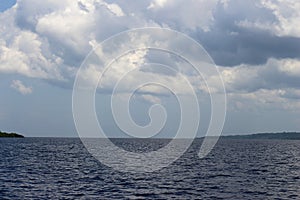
115, 9
49, 40
267, 26
155, 4
265, 100
275, 85
290, 67
20, 87
275, 74
131, 71
152, 99
284, 22
24, 55
184, 15
287, 14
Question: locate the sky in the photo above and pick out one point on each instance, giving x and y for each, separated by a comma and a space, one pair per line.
6, 5
255, 45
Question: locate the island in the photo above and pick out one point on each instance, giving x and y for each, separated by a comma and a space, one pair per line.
10, 135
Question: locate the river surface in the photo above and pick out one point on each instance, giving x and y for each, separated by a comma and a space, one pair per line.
61, 168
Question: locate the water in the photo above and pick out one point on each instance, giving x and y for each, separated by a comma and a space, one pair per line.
57, 168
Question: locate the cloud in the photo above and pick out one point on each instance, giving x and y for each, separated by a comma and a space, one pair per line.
190, 15
145, 66
275, 74
273, 86
49, 40
291, 94
20, 87
25, 55
283, 100
60, 33
288, 16
250, 47
240, 34
255, 43
152, 99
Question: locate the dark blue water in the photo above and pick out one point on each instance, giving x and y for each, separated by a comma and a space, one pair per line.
49, 168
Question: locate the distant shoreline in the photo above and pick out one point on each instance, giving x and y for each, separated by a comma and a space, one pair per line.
10, 135
279, 136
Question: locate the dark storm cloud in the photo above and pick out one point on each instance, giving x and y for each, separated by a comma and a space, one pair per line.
230, 44
249, 47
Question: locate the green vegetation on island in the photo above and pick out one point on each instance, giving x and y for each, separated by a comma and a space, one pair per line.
279, 136
10, 135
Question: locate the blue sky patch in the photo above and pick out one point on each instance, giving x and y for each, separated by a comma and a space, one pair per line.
6, 4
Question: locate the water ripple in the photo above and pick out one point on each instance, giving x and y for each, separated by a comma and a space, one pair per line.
56, 168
